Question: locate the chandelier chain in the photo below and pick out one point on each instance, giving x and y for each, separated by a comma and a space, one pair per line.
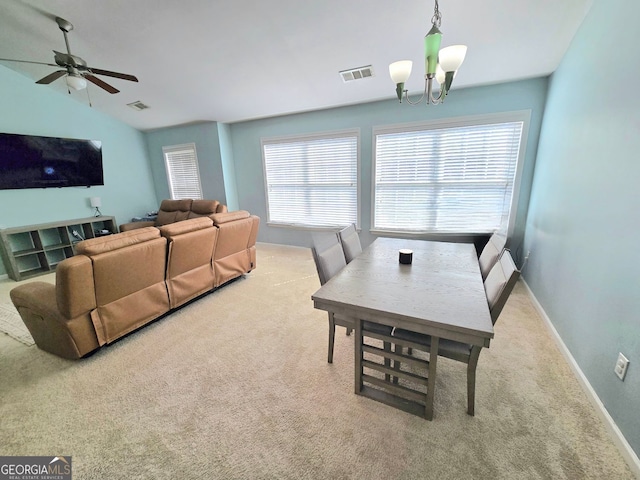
437, 16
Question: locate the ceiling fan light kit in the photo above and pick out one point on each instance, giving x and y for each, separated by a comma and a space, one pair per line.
439, 64
75, 68
75, 81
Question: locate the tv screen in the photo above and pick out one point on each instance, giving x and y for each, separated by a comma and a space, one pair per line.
28, 161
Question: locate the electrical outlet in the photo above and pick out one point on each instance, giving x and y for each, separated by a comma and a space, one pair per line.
621, 366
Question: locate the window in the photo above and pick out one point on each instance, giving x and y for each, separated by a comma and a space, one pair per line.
312, 181
455, 178
181, 162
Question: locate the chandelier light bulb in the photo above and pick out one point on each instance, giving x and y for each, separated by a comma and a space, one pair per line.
452, 57
400, 71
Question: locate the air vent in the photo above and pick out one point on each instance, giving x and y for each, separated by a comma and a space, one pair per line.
356, 73
138, 105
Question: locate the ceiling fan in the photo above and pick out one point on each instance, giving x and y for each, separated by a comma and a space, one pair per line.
75, 68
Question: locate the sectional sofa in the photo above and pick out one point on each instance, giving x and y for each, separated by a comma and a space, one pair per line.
172, 211
118, 283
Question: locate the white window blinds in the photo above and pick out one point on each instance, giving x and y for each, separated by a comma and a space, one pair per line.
456, 180
183, 176
312, 181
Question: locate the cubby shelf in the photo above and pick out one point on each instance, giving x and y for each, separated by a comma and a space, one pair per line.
37, 249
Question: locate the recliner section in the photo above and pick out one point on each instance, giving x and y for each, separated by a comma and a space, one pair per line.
189, 270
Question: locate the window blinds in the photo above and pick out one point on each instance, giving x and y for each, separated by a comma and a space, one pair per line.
446, 180
182, 171
312, 181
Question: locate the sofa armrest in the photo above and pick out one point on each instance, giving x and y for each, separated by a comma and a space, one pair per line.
52, 331
39, 297
125, 227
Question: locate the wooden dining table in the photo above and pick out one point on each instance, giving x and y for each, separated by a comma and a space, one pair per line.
441, 294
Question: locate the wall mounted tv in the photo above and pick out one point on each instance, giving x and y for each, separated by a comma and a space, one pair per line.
27, 161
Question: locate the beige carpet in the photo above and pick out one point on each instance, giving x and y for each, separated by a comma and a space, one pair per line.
11, 324
236, 386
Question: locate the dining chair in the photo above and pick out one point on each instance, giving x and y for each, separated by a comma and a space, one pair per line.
498, 286
491, 253
329, 258
350, 242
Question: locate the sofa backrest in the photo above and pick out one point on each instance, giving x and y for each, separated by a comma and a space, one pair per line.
234, 254
189, 258
75, 290
173, 211
206, 208
128, 273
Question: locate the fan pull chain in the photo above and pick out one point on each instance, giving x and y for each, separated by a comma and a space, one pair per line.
89, 98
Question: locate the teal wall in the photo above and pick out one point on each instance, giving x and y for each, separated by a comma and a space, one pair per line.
245, 137
205, 136
583, 224
228, 166
31, 109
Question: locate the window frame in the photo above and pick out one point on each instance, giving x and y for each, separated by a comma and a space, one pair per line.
523, 116
168, 149
352, 132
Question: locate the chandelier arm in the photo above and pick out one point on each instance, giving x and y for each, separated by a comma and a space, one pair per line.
419, 101
439, 99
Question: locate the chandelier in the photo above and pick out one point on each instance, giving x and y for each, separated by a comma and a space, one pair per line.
441, 65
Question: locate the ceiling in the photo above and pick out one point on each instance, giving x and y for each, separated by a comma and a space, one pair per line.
235, 60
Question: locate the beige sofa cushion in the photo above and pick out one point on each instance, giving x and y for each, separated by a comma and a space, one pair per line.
226, 217
75, 290
173, 211
94, 246
206, 208
128, 274
130, 288
234, 254
179, 228
189, 259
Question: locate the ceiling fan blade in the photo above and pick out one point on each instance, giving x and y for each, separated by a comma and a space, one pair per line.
51, 77
27, 61
123, 76
101, 84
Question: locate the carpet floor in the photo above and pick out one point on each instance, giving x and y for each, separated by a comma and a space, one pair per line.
11, 324
236, 385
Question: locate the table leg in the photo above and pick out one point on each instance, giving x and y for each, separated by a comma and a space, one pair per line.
431, 382
358, 356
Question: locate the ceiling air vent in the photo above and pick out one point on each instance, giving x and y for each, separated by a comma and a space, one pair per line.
356, 73
138, 105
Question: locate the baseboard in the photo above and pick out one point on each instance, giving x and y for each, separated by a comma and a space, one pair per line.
4, 276
618, 438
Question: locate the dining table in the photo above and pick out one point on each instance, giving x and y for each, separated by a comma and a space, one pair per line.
440, 294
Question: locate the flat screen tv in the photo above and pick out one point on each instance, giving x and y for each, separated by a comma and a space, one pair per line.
28, 161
